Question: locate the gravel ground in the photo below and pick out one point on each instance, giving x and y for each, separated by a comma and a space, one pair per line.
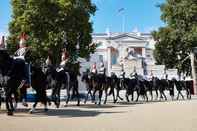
152, 116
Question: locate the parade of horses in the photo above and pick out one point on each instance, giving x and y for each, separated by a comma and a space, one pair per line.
14, 84
98, 65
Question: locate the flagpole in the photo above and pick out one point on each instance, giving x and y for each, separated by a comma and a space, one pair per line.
121, 10
123, 23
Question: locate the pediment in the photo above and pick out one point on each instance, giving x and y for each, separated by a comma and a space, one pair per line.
126, 37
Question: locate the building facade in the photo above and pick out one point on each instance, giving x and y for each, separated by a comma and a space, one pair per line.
130, 52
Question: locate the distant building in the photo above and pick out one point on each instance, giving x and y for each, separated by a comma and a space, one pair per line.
131, 51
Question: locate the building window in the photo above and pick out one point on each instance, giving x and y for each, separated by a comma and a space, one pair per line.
114, 57
101, 58
148, 55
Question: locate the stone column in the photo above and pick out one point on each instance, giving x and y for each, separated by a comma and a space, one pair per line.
109, 64
143, 52
193, 72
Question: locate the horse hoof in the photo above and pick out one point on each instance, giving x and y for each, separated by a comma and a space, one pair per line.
25, 104
10, 113
57, 105
31, 111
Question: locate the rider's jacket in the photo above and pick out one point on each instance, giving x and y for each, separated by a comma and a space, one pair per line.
122, 74
101, 70
94, 71
62, 65
20, 53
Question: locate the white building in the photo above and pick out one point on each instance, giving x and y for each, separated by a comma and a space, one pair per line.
132, 52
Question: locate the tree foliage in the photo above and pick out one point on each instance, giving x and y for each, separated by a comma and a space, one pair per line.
175, 41
52, 24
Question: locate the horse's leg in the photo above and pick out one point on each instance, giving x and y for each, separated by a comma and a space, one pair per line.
8, 99
45, 100
68, 94
93, 98
105, 96
146, 96
118, 95
8, 104
32, 110
157, 94
24, 96
151, 93
161, 94
127, 95
138, 95
91, 95
77, 94
11, 105
114, 99
86, 98
58, 96
100, 96
177, 96
181, 95
16, 96
132, 95
53, 94
164, 95
189, 93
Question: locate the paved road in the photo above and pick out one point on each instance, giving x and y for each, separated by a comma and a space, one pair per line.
152, 116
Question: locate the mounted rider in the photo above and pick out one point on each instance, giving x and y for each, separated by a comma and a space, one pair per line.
62, 69
21, 54
64, 61
101, 72
101, 69
93, 69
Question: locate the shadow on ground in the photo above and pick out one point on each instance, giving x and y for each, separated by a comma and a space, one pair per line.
63, 113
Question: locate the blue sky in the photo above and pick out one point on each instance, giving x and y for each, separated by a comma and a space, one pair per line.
142, 15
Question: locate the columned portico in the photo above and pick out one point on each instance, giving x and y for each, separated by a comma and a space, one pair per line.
109, 62
126, 47
144, 52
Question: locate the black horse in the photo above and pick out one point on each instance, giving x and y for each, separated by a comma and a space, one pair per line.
14, 69
65, 78
86, 78
96, 83
38, 82
182, 85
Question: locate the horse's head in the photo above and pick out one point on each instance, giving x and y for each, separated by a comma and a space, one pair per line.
5, 60
4, 56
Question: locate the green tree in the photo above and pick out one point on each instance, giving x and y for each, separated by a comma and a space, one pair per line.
49, 22
175, 41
